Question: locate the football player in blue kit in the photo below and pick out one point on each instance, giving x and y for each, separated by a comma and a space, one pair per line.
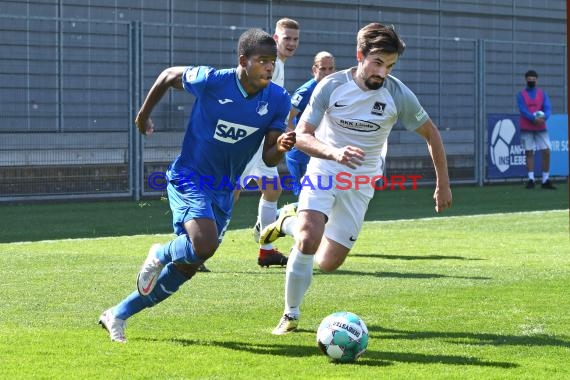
234, 110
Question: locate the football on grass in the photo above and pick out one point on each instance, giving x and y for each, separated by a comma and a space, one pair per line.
342, 336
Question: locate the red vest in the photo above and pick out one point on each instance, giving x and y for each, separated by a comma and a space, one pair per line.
532, 105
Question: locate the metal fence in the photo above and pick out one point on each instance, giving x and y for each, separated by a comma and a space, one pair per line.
69, 90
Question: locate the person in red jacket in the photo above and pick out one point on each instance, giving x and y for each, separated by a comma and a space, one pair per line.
535, 109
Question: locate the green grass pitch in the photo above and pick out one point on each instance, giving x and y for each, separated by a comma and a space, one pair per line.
480, 292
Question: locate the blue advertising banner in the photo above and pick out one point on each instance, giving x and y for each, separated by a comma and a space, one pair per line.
506, 158
558, 132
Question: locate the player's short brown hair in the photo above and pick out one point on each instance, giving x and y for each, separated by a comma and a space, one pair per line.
378, 38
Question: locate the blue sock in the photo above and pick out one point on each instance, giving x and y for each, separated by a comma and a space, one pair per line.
178, 250
167, 284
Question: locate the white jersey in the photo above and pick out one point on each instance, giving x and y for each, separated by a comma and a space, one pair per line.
279, 73
346, 115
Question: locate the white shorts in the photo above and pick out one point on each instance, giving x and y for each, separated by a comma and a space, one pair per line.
537, 140
256, 167
345, 210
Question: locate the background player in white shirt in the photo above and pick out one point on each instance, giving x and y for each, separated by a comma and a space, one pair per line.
287, 38
345, 128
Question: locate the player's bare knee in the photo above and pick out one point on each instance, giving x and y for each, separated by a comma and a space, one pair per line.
206, 248
308, 243
327, 265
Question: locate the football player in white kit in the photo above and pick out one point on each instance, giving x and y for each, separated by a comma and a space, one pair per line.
345, 128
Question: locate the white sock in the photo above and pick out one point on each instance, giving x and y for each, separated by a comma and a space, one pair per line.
545, 176
266, 214
289, 226
298, 277
531, 176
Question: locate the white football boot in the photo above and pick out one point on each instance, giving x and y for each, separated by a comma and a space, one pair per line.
151, 268
114, 326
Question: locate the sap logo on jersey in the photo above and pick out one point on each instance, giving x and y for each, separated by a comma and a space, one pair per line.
231, 132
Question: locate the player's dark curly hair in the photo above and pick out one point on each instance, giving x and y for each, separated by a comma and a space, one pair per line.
252, 40
378, 38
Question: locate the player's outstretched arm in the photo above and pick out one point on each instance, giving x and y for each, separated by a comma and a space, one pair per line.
276, 144
442, 195
171, 77
350, 156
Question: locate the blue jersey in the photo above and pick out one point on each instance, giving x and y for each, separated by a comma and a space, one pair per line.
299, 101
225, 129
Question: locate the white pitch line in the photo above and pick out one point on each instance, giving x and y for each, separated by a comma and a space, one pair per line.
465, 216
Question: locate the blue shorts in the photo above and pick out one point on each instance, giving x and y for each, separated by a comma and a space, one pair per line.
297, 169
191, 203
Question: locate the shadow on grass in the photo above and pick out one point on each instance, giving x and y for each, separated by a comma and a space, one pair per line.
481, 339
411, 257
370, 358
280, 271
400, 275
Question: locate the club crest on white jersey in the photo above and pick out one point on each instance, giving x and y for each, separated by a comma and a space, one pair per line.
378, 108
231, 132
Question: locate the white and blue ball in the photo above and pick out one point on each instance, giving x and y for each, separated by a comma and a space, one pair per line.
342, 336
538, 114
